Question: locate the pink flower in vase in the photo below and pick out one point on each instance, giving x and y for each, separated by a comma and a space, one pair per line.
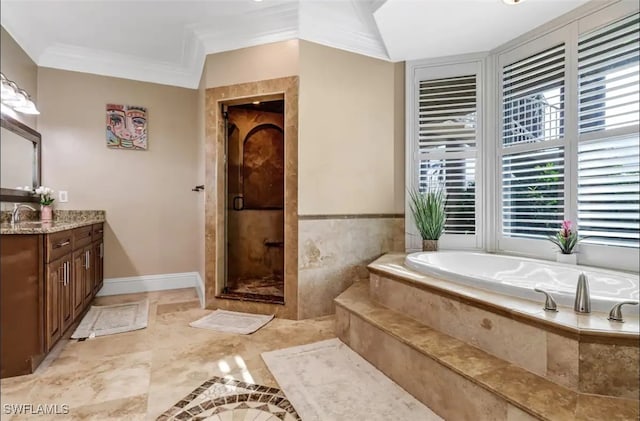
566, 239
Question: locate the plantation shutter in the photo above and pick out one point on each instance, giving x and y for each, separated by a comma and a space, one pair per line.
609, 146
533, 98
446, 146
532, 151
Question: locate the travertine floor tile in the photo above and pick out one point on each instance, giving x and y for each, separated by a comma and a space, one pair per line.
138, 375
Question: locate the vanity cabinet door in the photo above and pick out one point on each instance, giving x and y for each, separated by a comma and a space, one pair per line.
78, 281
66, 300
89, 279
55, 282
98, 271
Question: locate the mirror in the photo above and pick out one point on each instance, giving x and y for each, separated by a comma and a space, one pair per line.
20, 160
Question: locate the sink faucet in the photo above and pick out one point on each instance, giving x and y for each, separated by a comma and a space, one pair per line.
15, 214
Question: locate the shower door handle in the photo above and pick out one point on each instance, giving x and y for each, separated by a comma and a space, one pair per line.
238, 203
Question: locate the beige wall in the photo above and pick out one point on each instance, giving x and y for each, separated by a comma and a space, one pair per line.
200, 174
351, 153
252, 64
16, 65
152, 214
351, 134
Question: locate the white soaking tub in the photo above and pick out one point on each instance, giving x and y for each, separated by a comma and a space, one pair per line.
516, 276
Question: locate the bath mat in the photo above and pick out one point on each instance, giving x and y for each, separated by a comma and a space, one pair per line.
328, 381
117, 318
228, 399
232, 322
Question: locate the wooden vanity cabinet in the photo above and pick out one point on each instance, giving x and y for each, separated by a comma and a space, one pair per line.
59, 299
22, 342
47, 283
98, 257
76, 273
58, 285
79, 277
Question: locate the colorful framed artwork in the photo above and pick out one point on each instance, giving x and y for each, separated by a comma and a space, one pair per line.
126, 127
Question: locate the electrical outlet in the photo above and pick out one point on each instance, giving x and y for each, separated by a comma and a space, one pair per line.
63, 196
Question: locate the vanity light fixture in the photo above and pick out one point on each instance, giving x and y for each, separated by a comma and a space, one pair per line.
16, 98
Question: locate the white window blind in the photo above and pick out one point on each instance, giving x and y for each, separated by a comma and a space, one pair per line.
533, 98
609, 191
532, 192
608, 76
609, 146
532, 151
447, 111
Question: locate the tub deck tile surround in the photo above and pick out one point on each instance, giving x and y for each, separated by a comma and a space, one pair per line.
585, 353
594, 327
455, 379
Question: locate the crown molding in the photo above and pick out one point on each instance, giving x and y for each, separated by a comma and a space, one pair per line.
348, 26
105, 63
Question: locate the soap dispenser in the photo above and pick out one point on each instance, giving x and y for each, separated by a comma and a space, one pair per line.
583, 300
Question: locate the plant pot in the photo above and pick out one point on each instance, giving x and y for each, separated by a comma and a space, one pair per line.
46, 213
429, 245
570, 259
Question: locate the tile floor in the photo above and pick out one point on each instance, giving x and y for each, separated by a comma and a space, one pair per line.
139, 375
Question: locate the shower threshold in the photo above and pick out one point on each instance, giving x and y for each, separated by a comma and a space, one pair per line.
268, 289
247, 296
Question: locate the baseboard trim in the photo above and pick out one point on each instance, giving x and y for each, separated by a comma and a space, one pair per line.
148, 283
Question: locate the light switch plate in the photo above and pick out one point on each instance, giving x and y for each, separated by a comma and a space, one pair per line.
63, 197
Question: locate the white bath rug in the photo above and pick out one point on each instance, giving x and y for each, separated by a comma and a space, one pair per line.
327, 381
232, 322
117, 318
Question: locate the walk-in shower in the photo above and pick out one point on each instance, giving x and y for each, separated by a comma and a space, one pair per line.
254, 268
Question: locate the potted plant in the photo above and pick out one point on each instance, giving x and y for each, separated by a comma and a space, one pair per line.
566, 239
46, 199
428, 213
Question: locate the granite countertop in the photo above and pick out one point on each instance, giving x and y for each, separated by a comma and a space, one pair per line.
62, 221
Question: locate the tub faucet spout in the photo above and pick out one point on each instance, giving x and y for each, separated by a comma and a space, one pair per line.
582, 303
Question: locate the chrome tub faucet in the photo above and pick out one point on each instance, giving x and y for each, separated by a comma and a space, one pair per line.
582, 303
615, 315
549, 302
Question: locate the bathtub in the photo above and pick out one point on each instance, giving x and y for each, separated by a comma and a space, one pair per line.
516, 276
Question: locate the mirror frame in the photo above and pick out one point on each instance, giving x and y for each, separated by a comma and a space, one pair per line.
30, 135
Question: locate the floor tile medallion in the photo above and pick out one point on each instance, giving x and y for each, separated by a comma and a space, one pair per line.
225, 399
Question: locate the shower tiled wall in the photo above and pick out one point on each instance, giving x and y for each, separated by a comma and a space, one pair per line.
334, 251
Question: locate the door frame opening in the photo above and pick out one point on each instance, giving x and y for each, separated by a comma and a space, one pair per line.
215, 188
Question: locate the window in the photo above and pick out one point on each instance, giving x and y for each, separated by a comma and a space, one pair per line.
445, 145
560, 118
532, 149
609, 146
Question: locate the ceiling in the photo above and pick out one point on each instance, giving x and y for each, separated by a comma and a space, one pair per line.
166, 41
